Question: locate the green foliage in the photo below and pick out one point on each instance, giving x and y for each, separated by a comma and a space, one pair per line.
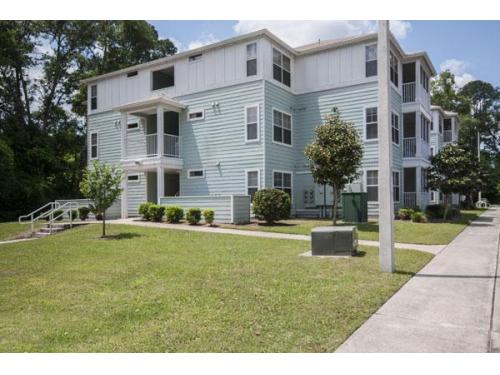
209, 215
444, 94
418, 217
271, 205
101, 184
83, 213
156, 212
144, 210
58, 215
193, 216
437, 211
335, 155
73, 214
174, 214
405, 213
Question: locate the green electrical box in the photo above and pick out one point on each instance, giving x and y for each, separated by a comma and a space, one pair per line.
355, 207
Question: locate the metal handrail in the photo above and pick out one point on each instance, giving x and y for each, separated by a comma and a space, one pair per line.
70, 206
33, 219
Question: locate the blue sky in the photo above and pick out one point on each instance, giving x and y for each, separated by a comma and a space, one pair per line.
467, 48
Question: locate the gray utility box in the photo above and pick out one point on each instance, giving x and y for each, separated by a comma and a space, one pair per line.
334, 240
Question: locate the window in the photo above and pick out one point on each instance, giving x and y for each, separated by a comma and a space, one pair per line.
372, 185
432, 151
196, 173
433, 196
394, 64
252, 183
423, 180
94, 154
93, 97
133, 178
371, 60
281, 67
196, 115
395, 185
283, 181
424, 79
251, 59
163, 78
282, 128
371, 123
194, 58
133, 126
440, 124
424, 128
395, 128
132, 74
252, 123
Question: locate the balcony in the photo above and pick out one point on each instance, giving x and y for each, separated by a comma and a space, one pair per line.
409, 92
171, 145
447, 136
409, 147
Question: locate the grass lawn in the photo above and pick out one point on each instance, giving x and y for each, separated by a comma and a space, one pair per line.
405, 231
159, 290
12, 230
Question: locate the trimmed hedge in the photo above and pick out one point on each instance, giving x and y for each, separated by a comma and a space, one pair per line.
193, 216
75, 214
209, 215
418, 217
83, 213
174, 214
436, 211
144, 210
271, 205
156, 212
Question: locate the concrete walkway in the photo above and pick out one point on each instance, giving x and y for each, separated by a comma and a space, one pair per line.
451, 305
434, 249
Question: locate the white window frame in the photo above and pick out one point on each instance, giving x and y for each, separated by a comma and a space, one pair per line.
258, 123
365, 108
134, 181
134, 129
246, 180
396, 86
366, 61
197, 57
135, 74
256, 58
273, 47
291, 181
96, 145
191, 111
195, 177
392, 127
291, 127
399, 185
378, 183
92, 97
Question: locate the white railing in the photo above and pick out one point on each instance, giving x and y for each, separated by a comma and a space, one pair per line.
410, 199
151, 145
171, 145
447, 136
409, 147
409, 92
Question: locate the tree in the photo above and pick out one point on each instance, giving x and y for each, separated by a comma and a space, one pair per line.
101, 184
335, 155
444, 94
454, 170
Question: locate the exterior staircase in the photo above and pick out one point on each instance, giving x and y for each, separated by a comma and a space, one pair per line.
47, 230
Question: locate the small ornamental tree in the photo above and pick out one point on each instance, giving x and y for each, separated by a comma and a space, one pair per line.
454, 170
101, 184
335, 155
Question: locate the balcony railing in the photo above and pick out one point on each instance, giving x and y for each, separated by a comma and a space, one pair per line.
409, 93
171, 145
409, 147
410, 199
151, 145
447, 136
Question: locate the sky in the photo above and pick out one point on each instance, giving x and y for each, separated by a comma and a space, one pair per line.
467, 48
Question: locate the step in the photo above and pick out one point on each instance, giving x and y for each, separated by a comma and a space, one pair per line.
41, 234
54, 230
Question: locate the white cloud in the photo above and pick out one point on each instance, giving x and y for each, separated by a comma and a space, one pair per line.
202, 41
298, 33
458, 68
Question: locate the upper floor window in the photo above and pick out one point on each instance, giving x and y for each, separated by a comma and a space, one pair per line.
281, 67
396, 185
252, 183
424, 79
163, 78
372, 185
283, 181
252, 123
132, 74
93, 97
251, 59
194, 58
196, 173
395, 128
282, 127
371, 60
94, 146
196, 115
371, 131
133, 126
424, 128
394, 64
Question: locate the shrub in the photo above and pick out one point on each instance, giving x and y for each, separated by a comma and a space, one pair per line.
58, 215
74, 213
83, 213
209, 215
405, 213
193, 216
174, 214
156, 212
418, 217
144, 210
434, 211
98, 217
271, 205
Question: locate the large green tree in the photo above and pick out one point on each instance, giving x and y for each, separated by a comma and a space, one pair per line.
444, 94
335, 155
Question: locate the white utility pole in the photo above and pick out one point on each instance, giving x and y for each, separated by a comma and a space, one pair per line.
385, 198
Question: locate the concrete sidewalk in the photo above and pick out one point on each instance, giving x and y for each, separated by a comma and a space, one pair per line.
451, 305
434, 249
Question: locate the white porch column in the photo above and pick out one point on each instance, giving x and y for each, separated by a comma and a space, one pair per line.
159, 129
418, 186
124, 202
123, 125
418, 134
386, 202
160, 183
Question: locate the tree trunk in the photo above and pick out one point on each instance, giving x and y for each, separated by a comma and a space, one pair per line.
103, 224
335, 205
